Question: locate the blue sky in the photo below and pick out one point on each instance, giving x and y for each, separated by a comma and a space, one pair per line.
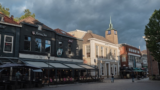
129, 17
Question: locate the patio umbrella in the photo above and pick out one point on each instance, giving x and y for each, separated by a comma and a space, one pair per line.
18, 65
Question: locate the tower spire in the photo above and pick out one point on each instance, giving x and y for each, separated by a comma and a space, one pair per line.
110, 25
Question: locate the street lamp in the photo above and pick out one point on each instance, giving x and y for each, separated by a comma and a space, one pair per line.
48, 66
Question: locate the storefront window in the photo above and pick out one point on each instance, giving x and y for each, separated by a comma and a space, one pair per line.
8, 43
47, 46
38, 46
27, 43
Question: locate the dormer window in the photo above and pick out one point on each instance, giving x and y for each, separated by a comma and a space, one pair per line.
39, 27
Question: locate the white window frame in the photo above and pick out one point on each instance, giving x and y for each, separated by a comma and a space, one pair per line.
97, 54
4, 44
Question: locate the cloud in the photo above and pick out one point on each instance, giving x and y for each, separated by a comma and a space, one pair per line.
129, 17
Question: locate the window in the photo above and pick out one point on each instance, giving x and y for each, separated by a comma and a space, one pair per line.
110, 54
77, 50
47, 46
69, 45
106, 53
96, 51
8, 44
102, 52
27, 43
60, 44
38, 45
102, 70
109, 31
69, 51
123, 58
88, 51
115, 32
39, 27
114, 53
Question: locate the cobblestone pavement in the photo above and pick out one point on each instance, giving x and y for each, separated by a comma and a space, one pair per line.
119, 84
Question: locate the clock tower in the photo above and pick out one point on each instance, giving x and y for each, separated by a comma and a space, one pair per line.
111, 34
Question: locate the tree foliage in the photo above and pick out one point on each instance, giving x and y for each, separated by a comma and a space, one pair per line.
27, 13
152, 33
4, 10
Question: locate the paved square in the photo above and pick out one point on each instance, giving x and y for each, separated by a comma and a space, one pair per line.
119, 84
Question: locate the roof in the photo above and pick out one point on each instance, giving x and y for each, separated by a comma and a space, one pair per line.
91, 35
144, 52
33, 21
9, 19
63, 32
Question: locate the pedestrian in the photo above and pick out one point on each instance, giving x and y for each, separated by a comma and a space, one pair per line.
132, 76
18, 74
112, 80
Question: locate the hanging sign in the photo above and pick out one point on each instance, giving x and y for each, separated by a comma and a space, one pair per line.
59, 52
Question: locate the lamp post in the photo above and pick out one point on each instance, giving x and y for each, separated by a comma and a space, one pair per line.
48, 67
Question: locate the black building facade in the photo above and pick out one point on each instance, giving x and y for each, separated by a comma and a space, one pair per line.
9, 36
71, 46
35, 41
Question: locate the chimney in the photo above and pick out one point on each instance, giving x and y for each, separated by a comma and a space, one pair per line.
12, 17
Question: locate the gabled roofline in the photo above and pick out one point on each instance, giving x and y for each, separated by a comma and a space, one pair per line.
37, 26
10, 24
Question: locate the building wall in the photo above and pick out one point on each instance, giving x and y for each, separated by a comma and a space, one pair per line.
66, 40
11, 31
78, 33
124, 51
27, 30
152, 65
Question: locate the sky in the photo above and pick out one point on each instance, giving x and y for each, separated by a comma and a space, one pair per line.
129, 17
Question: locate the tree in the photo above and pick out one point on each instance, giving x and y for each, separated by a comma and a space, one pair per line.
27, 13
4, 10
152, 33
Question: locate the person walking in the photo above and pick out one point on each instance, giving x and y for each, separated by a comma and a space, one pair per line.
18, 74
132, 76
112, 80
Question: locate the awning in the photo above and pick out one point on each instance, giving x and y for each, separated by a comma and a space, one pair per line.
87, 67
38, 64
36, 70
58, 65
1, 70
74, 66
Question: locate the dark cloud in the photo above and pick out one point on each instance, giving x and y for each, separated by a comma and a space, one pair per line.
129, 17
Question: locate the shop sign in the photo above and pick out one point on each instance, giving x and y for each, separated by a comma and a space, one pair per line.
39, 34
70, 40
2, 26
59, 52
